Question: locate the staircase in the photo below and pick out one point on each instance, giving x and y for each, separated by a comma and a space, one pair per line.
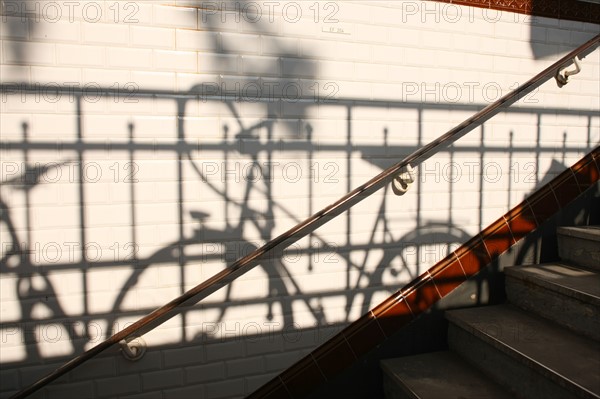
543, 343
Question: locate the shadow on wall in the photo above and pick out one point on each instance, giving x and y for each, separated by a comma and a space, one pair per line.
17, 26
547, 37
36, 288
247, 204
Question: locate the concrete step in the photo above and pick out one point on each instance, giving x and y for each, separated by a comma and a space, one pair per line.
567, 295
526, 353
580, 245
437, 375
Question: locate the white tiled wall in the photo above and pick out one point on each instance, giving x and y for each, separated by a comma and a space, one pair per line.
146, 145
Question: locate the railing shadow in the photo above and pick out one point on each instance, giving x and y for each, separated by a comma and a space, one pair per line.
231, 215
383, 253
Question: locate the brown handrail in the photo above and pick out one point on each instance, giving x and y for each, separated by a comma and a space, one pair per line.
246, 263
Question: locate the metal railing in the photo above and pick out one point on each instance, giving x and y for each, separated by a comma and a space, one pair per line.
246, 263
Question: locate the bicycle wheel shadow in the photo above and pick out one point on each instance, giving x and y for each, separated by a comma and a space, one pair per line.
38, 300
253, 141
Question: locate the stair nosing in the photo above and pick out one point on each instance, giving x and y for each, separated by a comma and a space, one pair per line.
531, 360
414, 389
387, 370
520, 272
517, 354
589, 233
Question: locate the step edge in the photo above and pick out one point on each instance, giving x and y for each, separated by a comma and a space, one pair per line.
517, 355
590, 233
518, 273
473, 372
543, 371
387, 371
